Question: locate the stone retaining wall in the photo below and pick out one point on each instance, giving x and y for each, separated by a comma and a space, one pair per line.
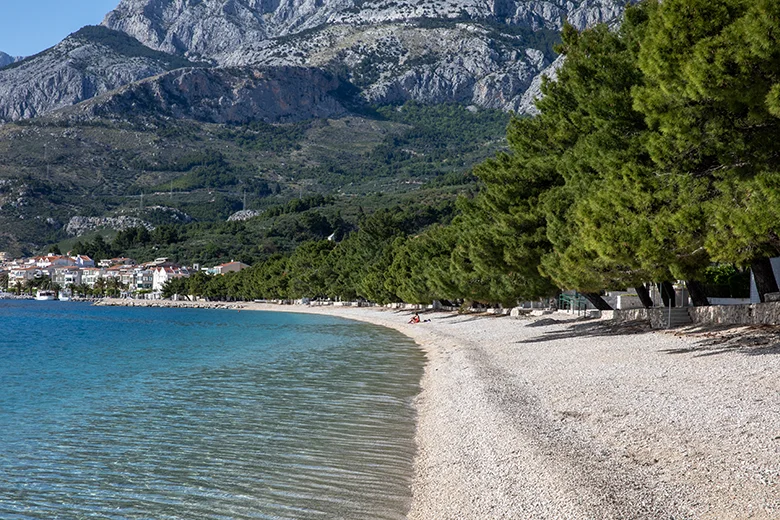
752, 314
656, 317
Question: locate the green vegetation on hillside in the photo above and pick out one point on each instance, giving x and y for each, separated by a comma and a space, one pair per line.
278, 230
52, 170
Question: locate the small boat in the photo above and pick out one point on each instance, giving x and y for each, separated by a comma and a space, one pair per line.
45, 295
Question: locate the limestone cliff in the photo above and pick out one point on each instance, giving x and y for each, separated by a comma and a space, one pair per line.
223, 95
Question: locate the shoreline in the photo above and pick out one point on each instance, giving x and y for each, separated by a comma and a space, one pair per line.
557, 417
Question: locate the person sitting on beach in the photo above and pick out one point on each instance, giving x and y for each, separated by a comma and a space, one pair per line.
415, 318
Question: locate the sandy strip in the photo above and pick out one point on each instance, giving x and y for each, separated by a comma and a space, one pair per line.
554, 418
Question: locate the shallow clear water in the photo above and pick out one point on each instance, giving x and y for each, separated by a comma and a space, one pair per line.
189, 414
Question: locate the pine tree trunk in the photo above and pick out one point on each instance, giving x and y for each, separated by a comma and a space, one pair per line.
698, 295
667, 294
597, 301
644, 296
764, 277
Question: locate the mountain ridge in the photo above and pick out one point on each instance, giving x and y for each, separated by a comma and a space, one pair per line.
7, 59
89, 62
187, 26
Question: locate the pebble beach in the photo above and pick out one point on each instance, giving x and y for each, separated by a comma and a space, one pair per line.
556, 417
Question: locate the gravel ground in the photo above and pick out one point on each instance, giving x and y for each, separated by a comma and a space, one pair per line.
564, 419
556, 418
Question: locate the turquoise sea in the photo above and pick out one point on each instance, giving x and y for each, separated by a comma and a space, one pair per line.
118, 413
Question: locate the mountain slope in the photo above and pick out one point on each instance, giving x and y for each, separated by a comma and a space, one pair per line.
426, 61
165, 170
287, 98
87, 63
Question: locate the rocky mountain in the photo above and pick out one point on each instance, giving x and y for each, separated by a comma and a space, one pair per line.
483, 52
89, 62
6, 59
488, 53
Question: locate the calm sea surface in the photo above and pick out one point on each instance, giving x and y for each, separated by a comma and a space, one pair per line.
189, 414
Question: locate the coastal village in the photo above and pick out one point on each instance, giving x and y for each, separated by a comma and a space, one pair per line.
80, 275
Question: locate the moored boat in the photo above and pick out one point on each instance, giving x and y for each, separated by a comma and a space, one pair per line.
45, 295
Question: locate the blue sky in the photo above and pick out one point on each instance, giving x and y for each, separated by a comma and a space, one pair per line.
30, 26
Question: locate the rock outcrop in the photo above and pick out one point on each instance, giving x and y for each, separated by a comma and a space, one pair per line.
244, 214
453, 62
223, 95
527, 103
78, 226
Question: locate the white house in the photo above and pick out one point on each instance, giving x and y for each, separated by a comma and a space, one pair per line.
83, 261
19, 275
143, 279
52, 261
90, 275
66, 275
161, 275
110, 262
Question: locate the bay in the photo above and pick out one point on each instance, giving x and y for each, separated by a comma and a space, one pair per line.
112, 412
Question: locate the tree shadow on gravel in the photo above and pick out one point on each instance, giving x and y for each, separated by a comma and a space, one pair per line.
586, 328
710, 340
753, 340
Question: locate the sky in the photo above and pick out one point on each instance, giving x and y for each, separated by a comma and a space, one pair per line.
29, 26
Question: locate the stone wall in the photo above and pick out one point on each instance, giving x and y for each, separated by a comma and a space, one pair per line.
656, 317
752, 314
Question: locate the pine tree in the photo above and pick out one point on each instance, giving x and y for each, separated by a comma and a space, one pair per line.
503, 230
712, 96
